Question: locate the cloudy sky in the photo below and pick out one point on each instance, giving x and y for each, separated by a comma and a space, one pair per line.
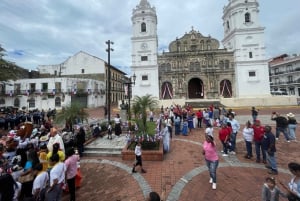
49, 31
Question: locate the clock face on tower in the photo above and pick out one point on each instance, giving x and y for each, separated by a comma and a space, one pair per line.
144, 46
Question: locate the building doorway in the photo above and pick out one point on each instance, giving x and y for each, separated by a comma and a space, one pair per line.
166, 90
195, 88
225, 89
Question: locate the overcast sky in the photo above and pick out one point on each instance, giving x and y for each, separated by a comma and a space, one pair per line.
49, 31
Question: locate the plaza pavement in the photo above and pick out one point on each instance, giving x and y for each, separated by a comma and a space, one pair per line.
182, 175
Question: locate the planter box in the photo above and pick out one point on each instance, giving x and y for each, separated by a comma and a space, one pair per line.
147, 155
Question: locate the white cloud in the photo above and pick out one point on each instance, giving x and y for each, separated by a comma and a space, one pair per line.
49, 31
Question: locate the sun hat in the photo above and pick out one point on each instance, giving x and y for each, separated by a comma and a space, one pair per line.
44, 138
290, 115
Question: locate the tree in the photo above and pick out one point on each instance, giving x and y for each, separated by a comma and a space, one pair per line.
9, 70
72, 114
140, 107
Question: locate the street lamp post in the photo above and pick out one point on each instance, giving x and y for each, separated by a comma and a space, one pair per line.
129, 92
108, 50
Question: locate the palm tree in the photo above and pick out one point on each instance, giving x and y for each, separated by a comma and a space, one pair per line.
140, 107
71, 114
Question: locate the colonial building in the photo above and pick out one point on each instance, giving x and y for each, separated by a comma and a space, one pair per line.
81, 78
196, 68
144, 50
56, 92
84, 65
285, 75
244, 35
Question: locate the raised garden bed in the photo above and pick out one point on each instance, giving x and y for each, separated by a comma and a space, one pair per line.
155, 154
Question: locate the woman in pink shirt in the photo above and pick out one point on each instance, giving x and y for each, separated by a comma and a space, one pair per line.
211, 158
71, 171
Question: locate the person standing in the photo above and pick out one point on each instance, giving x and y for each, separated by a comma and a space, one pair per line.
211, 158
71, 171
151, 116
235, 128
293, 187
138, 158
80, 140
177, 122
292, 124
118, 130
199, 115
257, 138
165, 132
248, 134
40, 182
57, 179
270, 149
281, 125
254, 114
224, 135
55, 138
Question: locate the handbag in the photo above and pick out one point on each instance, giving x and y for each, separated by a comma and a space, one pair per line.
26, 178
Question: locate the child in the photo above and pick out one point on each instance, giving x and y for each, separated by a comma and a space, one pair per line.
224, 136
138, 158
270, 192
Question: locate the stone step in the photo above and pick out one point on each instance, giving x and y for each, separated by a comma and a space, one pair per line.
97, 153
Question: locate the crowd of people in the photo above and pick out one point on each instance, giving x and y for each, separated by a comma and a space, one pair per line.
38, 161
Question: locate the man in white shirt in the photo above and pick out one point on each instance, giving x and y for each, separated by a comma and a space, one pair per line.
55, 138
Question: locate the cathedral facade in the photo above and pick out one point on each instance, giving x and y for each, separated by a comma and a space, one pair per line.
196, 68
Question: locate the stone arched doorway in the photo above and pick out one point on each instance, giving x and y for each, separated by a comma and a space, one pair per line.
166, 90
226, 89
196, 88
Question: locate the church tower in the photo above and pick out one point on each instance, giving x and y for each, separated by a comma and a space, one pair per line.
144, 50
244, 35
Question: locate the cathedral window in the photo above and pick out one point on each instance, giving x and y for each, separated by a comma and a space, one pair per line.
247, 17
144, 58
143, 27
250, 55
145, 77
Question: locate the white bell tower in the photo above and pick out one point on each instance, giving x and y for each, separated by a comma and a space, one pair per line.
244, 35
144, 50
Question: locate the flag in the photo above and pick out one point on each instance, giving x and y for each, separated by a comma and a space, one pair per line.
74, 91
89, 91
126, 90
10, 93
53, 91
27, 92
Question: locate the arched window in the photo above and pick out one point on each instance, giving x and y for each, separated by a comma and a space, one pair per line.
143, 27
247, 17
57, 102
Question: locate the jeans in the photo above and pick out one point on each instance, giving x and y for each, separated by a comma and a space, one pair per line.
224, 147
199, 122
233, 141
249, 148
212, 168
258, 148
71, 186
254, 117
177, 128
283, 130
292, 129
272, 161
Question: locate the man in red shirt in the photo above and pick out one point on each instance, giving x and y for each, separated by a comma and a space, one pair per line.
258, 136
199, 115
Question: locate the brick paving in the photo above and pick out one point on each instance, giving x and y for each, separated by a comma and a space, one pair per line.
183, 175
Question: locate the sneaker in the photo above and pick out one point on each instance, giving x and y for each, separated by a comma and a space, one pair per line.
214, 186
277, 138
288, 141
224, 154
222, 151
232, 152
210, 180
